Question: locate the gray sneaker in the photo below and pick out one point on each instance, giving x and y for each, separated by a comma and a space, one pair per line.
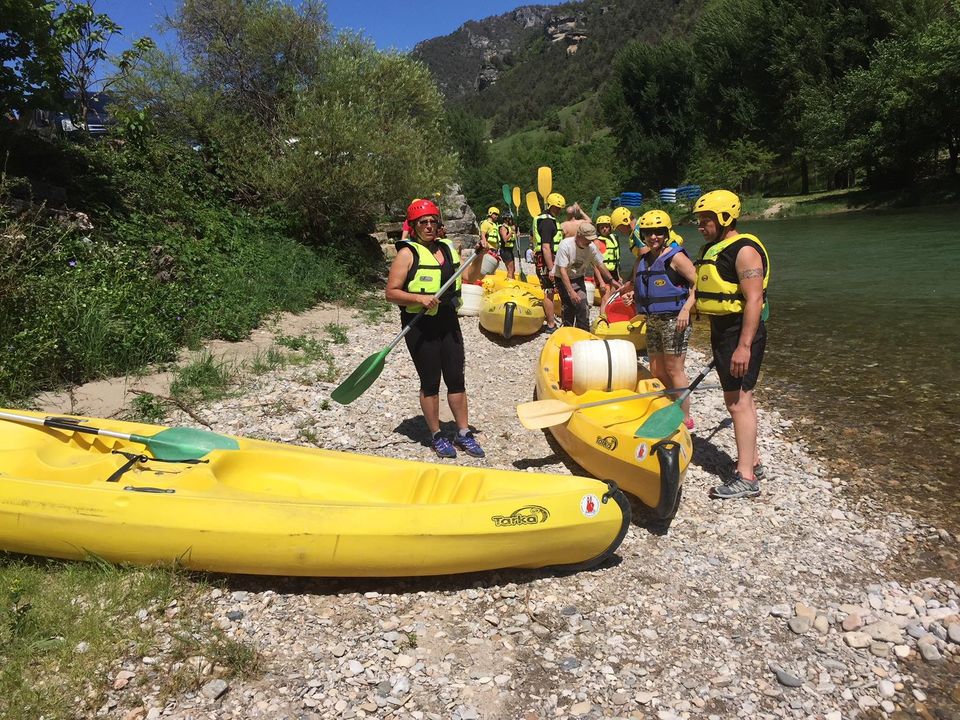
736, 487
760, 472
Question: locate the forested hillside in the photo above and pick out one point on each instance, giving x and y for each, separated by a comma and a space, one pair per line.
783, 96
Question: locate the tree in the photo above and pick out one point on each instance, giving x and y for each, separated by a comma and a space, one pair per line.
649, 106
31, 64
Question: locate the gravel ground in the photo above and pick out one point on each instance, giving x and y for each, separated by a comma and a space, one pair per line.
786, 606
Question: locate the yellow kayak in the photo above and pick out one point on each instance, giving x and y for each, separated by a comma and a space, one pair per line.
511, 312
275, 509
500, 281
634, 330
600, 439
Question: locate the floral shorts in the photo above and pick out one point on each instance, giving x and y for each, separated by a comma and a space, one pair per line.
663, 337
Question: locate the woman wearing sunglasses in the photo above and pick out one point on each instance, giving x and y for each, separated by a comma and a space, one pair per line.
423, 264
663, 289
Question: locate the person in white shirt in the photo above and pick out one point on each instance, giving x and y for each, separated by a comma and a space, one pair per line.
575, 256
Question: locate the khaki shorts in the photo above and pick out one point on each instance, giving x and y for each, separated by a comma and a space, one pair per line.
663, 337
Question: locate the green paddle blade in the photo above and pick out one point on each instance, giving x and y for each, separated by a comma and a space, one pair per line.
360, 379
505, 191
662, 422
185, 443
594, 208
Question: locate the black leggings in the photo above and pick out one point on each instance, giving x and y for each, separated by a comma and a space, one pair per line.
436, 346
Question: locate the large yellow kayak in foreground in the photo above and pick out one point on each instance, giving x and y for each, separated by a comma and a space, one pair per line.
601, 439
275, 509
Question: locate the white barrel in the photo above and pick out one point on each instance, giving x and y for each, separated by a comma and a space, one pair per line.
604, 365
470, 298
489, 264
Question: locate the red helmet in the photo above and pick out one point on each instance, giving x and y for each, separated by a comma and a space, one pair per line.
420, 208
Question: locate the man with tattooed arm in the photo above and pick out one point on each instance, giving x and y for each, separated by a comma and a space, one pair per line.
732, 276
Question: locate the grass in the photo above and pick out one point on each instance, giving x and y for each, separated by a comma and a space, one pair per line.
373, 307
66, 628
147, 407
205, 378
337, 333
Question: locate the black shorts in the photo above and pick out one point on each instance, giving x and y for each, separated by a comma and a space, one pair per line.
506, 254
436, 346
724, 338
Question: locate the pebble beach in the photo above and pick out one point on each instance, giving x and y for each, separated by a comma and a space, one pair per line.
790, 605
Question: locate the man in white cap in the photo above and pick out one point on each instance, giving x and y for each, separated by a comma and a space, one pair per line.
575, 256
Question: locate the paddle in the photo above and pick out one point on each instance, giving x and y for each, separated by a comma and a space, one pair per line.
539, 414
594, 208
168, 444
516, 199
666, 420
544, 182
505, 191
369, 370
533, 204
516, 206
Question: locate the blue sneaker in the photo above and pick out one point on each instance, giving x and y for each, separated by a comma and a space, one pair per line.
443, 447
468, 444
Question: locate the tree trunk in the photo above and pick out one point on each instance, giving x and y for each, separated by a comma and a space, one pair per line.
954, 149
804, 176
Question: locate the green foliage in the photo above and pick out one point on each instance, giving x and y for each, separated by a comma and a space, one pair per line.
739, 166
337, 333
147, 407
205, 378
63, 624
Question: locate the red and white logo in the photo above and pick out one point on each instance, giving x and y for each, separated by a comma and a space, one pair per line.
641, 452
590, 505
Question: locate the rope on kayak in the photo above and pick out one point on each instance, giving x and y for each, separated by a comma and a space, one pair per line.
133, 459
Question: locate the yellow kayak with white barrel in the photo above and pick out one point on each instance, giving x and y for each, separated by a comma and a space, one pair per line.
601, 439
634, 330
511, 312
250, 506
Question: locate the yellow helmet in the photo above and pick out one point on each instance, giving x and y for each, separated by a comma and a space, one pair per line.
620, 216
655, 219
493, 211
604, 220
556, 200
722, 203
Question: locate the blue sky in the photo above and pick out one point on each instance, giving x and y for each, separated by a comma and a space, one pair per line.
389, 23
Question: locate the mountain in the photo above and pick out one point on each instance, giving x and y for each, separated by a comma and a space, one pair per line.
516, 67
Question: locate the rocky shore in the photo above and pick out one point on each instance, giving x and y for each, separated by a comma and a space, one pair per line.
787, 606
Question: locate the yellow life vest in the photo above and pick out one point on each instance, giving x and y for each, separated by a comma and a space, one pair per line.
611, 253
716, 296
491, 230
557, 236
424, 275
511, 239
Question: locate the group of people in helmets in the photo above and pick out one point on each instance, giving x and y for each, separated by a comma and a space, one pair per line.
727, 283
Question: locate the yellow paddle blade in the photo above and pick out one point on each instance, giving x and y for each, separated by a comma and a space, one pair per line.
516, 198
544, 181
533, 204
539, 414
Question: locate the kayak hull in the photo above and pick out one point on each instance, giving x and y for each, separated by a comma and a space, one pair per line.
275, 509
511, 312
601, 439
634, 330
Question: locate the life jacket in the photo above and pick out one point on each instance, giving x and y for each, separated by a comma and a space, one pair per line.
509, 242
424, 275
611, 255
557, 236
654, 290
716, 296
491, 230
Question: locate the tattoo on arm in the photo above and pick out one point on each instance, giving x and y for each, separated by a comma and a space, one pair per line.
751, 273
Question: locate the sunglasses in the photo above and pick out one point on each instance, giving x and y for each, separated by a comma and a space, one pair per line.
654, 231
428, 221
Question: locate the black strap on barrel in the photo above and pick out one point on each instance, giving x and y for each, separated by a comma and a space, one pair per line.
606, 346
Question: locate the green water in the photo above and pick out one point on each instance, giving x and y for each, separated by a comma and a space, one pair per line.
863, 344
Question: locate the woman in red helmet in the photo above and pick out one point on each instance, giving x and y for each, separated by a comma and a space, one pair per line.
423, 264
